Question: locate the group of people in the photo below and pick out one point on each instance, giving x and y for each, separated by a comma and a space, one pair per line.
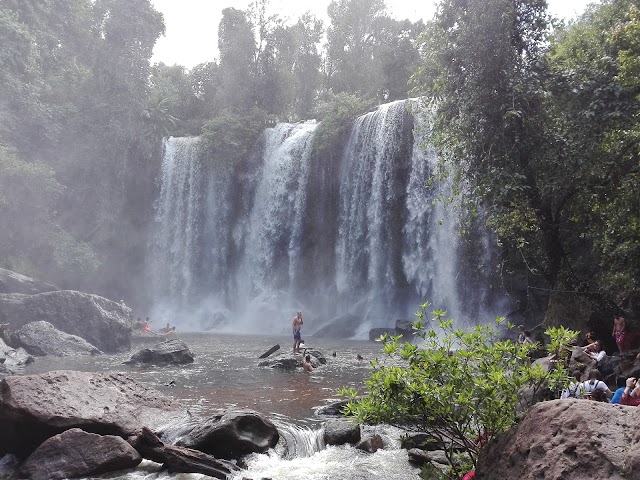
297, 341
627, 390
169, 331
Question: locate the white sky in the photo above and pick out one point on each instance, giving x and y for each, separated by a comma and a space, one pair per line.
192, 25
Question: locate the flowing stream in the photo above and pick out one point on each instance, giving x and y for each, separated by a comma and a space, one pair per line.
225, 374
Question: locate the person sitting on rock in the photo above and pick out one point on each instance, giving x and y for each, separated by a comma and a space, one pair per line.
595, 388
589, 338
147, 327
631, 393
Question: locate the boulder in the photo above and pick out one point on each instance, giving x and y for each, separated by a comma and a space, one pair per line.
180, 459
36, 407
376, 333
317, 354
333, 409
41, 338
420, 457
282, 362
569, 439
339, 432
371, 444
344, 326
12, 282
231, 434
13, 360
101, 322
76, 453
168, 352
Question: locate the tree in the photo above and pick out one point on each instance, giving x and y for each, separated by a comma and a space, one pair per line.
237, 48
461, 388
533, 135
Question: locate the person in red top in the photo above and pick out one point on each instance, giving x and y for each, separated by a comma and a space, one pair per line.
631, 394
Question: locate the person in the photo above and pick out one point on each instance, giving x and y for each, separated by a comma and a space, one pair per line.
147, 327
595, 388
4, 332
306, 365
620, 332
595, 351
631, 393
525, 337
166, 329
297, 336
589, 339
575, 388
621, 383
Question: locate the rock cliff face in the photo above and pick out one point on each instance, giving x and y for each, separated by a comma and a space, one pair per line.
103, 323
567, 439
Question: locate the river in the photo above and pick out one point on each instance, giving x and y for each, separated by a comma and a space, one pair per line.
225, 374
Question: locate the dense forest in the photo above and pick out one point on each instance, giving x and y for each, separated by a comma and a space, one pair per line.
537, 121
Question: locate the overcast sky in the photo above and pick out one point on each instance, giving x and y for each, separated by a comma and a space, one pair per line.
192, 25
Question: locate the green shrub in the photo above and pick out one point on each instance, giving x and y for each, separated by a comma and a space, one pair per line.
460, 387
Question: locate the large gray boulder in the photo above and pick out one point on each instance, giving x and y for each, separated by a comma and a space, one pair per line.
12, 282
569, 439
174, 352
36, 407
231, 434
76, 453
101, 322
41, 338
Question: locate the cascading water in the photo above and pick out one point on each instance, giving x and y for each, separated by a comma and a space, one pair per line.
241, 249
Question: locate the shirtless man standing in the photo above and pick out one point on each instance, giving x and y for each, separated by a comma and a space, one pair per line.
297, 325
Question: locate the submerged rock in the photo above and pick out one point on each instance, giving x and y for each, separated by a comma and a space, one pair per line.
231, 434
101, 322
36, 407
171, 351
41, 338
76, 453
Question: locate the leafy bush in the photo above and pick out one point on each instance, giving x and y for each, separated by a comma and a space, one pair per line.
461, 388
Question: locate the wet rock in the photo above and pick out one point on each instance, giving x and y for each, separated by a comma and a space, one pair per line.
339, 432
333, 409
76, 453
12, 282
371, 444
168, 352
344, 326
317, 354
568, 439
36, 407
179, 459
289, 363
421, 457
231, 434
101, 322
41, 338
13, 360
376, 333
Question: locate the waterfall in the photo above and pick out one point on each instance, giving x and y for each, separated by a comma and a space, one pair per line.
243, 248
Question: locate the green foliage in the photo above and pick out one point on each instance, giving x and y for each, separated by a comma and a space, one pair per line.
460, 387
229, 137
336, 116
